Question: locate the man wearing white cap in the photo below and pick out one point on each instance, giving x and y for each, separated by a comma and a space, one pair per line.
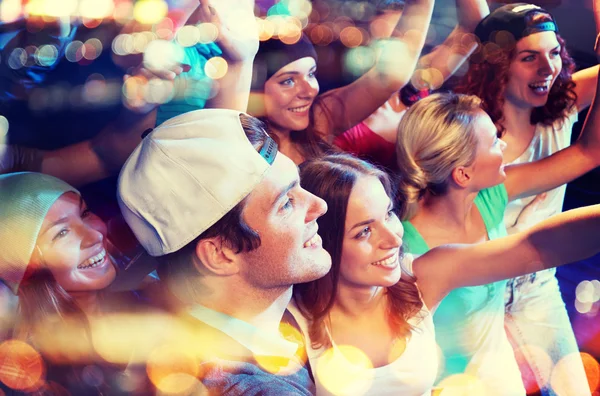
208, 194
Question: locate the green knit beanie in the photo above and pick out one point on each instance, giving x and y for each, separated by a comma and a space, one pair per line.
25, 199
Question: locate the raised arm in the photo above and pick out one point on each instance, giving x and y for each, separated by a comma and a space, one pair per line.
444, 60
342, 108
238, 39
561, 239
584, 155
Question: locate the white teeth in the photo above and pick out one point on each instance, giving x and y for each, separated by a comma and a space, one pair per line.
93, 261
312, 241
390, 262
540, 86
299, 109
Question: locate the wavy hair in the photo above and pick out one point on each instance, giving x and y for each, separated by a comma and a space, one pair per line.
488, 75
332, 178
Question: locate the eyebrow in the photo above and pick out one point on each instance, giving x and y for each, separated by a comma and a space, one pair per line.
294, 73
285, 191
62, 220
537, 52
363, 223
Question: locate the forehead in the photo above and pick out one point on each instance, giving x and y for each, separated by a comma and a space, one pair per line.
65, 203
278, 177
298, 66
538, 41
367, 199
484, 126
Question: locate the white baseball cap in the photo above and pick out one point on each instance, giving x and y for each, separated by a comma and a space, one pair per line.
187, 174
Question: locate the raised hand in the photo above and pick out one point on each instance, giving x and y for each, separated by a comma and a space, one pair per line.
236, 23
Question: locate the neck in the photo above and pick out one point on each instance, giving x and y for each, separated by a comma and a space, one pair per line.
88, 302
260, 308
516, 118
452, 210
355, 301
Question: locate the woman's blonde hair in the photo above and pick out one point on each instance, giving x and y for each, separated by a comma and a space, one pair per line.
434, 137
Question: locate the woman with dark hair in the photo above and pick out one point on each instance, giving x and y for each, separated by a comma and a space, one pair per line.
525, 78
286, 91
454, 189
368, 321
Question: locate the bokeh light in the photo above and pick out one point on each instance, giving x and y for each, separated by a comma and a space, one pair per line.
283, 366
351, 36
208, 33
10, 10
3, 129
358, 60
188, 36
96, 9
150, 11
462, 385
46, 55
216, 68
345, 370
172, 370
73, 51
54, 8
162, 55
21, 366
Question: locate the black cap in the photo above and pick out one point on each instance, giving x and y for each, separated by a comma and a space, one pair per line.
513, 18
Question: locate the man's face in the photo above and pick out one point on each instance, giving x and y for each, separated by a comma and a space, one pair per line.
284, 215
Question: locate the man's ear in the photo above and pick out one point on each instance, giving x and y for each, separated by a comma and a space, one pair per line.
215, 256
462, 175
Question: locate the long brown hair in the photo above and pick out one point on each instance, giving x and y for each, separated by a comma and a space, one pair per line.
332, 178
43, 300
488, 75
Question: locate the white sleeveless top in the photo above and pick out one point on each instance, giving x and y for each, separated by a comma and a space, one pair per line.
411, 374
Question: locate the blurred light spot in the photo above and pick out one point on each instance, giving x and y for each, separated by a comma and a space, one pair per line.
583, 307
3, 129
21, 366
504, 40
291, 35
188, 36
279, 8
208, 33
381, 28
338, 365
216, 68
592, 370
96, 44
321, 35
141, 40
301, 9
283, 366
54, 8
462, 384
96, 9
172, 370
358, 60
266, 29
46, 55
351, 37
162, 55
123, 12
17, 58
165, 29
73, 52
543, 363
10, 10
561, 380
94, 91
150, 11
91, 23
585, 292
